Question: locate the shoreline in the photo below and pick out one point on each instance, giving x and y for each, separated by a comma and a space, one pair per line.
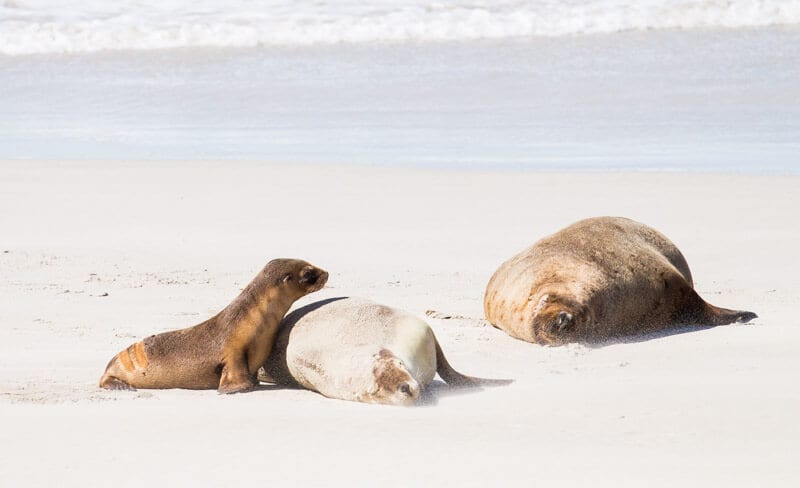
500, 168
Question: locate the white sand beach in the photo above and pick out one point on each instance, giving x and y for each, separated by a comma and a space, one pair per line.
95, 256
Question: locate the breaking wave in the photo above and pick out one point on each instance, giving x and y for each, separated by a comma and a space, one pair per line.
56, 26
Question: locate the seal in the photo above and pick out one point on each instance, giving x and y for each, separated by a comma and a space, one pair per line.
358, 350
225, 351
598, 279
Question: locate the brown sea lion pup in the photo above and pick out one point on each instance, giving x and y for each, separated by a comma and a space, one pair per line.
225, 351
354, 349
598, 279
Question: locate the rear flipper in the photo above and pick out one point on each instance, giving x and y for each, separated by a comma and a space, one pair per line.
724, 316
700, 312
235, 377
454, 378
111, 383
110, 380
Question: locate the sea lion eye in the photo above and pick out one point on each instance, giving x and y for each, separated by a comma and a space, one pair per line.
287, 278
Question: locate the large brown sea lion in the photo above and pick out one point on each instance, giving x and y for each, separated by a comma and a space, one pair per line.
598, 279
354, 349
225, 351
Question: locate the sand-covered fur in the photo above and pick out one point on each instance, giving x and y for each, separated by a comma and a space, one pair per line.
355, 349
597, 279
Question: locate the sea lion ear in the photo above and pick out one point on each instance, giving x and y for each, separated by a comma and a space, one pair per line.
543, 301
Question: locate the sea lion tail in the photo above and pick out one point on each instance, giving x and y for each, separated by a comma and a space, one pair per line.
454, 378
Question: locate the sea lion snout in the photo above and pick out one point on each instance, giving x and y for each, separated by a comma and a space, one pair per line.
296, 274
313, 278
405, 389
556, 322
562, 321
394, 385
407, 393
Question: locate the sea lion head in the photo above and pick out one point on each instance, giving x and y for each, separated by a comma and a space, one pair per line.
393, 384
558, 320
295, 276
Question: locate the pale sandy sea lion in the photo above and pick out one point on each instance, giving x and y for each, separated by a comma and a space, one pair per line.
354, 349
225, 351
597, 279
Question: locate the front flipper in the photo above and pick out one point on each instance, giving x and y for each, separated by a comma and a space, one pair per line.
262, 375
236, 378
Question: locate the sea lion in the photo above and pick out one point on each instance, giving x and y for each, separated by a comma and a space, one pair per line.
225, 351
354, 349
598, 279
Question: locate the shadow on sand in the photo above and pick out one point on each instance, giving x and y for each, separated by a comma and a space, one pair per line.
430, 396
645, 336
439, 389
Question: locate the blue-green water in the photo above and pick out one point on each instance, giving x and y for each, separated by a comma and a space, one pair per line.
723, 100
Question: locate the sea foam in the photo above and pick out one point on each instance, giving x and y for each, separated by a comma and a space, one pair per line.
54, 26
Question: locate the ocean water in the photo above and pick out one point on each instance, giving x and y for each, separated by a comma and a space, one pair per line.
698, 85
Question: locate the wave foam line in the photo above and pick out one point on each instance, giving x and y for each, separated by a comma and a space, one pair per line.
45, 26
